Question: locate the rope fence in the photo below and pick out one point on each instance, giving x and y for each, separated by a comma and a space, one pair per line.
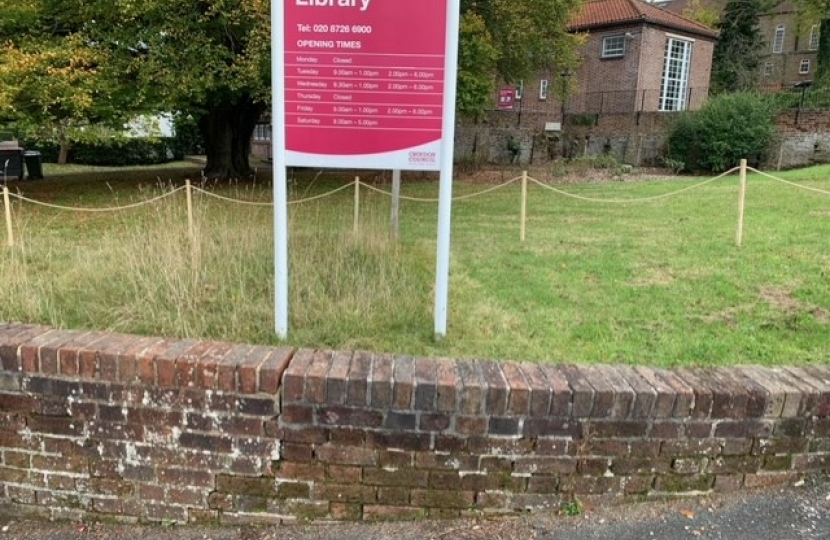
396, 197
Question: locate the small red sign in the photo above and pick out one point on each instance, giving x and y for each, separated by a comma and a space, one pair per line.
507, 98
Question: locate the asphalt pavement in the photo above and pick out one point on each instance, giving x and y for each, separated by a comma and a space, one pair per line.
797, 512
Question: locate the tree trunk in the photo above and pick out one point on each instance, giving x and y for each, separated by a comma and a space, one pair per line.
823, 60
227, 129
63, 154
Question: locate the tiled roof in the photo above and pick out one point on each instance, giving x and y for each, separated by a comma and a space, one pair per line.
603, 13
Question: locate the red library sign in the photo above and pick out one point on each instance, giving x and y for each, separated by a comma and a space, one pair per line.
364, 83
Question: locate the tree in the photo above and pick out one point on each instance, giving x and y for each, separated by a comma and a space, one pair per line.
51, 85
510, 40
209, 59
737, 53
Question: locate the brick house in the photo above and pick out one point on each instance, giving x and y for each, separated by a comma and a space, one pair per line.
790, 45
636, 58
639, 57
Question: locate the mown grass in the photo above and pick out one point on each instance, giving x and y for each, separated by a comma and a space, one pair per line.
653, 283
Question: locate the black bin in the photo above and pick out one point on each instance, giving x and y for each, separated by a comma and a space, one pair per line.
34, 164
11, 163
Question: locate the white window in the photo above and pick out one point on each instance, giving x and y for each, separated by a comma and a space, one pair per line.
543, 89
814, 35
613, 46
767, 69
520, 89
778, 43
804, 67
673, 94
262, 132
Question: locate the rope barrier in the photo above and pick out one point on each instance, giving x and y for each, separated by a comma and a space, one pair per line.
624, 201
321, 196
459, 198
96, 210
228, 199
808, 188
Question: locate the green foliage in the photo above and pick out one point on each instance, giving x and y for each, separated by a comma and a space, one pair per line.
728, 128
736, 59
696, 11
572, 508
510, 39
477, 58
113, 152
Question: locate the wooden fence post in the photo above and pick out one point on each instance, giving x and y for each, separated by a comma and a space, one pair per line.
8, 207
524, 206
741, 203
189, 190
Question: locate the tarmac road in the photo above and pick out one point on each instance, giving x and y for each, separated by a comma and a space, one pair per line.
790, 513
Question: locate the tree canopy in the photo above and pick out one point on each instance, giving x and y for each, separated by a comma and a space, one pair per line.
737, 53
70, 64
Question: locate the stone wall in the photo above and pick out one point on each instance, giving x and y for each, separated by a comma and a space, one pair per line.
134, 428
803, 138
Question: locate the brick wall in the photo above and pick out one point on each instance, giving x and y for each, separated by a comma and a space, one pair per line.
136, 428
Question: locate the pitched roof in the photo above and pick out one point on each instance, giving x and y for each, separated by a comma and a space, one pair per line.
604, 13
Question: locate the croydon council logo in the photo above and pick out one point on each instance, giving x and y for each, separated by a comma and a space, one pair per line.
422, 158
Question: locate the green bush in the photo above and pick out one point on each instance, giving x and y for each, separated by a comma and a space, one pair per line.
123, 152
728, 128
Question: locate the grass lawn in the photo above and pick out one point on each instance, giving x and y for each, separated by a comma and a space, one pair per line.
657, 283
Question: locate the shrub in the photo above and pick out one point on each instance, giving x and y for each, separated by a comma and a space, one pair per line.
728, 128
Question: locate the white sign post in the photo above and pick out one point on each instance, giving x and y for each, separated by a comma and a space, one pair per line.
366, 84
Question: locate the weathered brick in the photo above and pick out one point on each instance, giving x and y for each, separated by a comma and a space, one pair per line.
381, 381
811, 462
293, 379
56, 426
545, 465
345, 511
378, 512
623, 393
447, 381
639, 465
582, 403
644, 394
404, 371
778, 463
220, 501
107, 506
344, 474
398, 496
593, 466
554, 447
247, 372
665, 397
241, 427
588, 485
765, 447
769, 479
184, 477
395, 458
603, 391
702, 393
401, 477
227, 367
253, 487
348, 416
637, 485
425, 386
69, 351
40, 354
729, 482
503, 425
553, 427
473, 388
442, 498
9, 347
400, 421
667, 430
315, 377
434, 422
257, 406
296, 452
496, 389
347, 437
471, 425
696, 447
626, 429
735, 464
543, 484
518, 399
743, 429
683, 483
736, 447
345, 493
539, 387
431, 460
272, 369
347, 455
790, 427
357, 381
293, 490
314, 435
684, 395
